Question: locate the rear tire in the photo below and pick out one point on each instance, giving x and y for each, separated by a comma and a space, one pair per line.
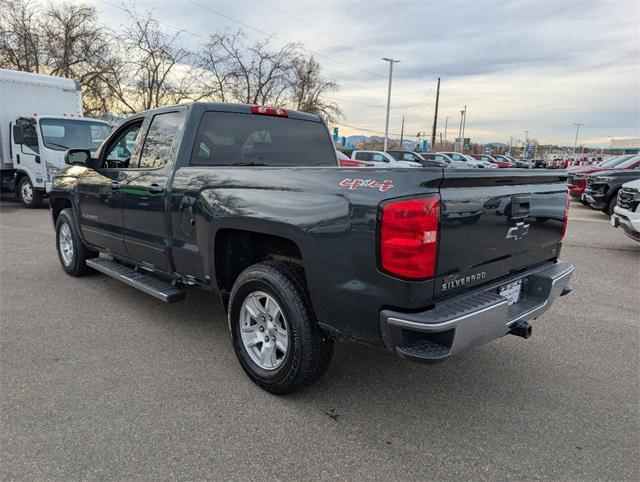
271, 299
71, 252
29, 196
612, 204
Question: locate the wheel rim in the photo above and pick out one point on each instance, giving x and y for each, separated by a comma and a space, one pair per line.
264, 330
65, 243
26, 191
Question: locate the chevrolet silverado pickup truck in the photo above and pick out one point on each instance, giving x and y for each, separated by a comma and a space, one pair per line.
249, 202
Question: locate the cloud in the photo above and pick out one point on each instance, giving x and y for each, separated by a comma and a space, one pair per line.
537, 65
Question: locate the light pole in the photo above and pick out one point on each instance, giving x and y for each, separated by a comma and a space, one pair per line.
446, 121
460, 129
575, 142
526, 144
510, 144
464, 124
386, 124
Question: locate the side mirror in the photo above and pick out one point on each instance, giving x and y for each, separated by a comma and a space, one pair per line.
77, 156
18, 135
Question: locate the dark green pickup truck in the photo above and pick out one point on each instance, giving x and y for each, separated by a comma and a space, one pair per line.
249, 202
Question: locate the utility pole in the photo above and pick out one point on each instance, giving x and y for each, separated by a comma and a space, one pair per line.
510, 144
464, 124
402, 133
435, 116
386, 124
460, 129
440, 140
526, 144
575, 143
446, 120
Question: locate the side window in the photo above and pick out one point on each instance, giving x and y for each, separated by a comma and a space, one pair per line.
379, 158
121, 149
407, 156
160, 143
361, 156
30, 134
439, 158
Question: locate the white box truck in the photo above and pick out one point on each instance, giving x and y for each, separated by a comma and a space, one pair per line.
40, 118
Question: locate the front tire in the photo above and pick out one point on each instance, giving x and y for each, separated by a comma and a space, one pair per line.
274, 331
71, 252
29, 196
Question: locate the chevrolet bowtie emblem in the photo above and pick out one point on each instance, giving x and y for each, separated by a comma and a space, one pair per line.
519, 231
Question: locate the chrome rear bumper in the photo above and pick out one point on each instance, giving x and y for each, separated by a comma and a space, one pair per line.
473, 318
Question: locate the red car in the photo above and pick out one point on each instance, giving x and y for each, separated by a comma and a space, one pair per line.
346, 161
487, 158
576, 179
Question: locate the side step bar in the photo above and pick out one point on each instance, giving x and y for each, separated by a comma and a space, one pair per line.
152, 286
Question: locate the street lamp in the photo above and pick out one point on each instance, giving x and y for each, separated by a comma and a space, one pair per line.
386, 124
575, 143
446, 120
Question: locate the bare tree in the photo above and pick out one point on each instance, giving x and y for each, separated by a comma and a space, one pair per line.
310, 89
20, 41
76, 46
64, 40
253, 74
156, 69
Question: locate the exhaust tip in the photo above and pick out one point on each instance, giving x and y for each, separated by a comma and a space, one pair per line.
522, 329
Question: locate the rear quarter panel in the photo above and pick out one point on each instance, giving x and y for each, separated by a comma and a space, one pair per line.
333, 225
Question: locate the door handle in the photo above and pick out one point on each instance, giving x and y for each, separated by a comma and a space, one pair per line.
115, 185
155, 189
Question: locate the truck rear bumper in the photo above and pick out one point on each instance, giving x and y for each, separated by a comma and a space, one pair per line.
473, 318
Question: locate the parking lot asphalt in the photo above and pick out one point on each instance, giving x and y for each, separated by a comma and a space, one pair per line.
99, 381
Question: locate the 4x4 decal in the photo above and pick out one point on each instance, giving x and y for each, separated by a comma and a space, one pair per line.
353, 184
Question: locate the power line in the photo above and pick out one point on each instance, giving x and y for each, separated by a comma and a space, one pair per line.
277, 37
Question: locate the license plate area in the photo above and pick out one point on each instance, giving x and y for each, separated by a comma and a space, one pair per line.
511, 291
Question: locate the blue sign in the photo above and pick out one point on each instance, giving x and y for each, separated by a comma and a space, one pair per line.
335, 134
529, 149
487, 150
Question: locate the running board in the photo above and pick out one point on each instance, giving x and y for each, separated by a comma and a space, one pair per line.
152, 286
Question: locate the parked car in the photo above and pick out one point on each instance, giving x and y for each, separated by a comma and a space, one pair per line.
221, 196
626, 214
602, 187
441, 160
346, 161
523, 164
504, 158
381, 159
492, 160
460, 161
416, 157
577, 180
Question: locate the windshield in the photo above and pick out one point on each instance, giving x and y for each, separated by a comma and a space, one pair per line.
628, 163
614, 161
63, 134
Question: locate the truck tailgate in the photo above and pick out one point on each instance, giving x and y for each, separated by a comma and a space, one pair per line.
496, 222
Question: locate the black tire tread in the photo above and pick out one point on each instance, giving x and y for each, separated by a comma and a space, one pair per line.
316, 346
36, 202
81, 253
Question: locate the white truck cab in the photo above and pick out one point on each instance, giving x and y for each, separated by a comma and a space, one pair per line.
40, 118
626, 214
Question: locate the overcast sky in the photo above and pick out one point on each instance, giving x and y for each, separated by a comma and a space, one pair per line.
518, 65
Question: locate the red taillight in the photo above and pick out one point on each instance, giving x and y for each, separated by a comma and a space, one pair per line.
261, 109
565, 220
409, 237
353, 163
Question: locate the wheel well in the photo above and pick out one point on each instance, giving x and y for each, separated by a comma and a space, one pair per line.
236, 250
57, 205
